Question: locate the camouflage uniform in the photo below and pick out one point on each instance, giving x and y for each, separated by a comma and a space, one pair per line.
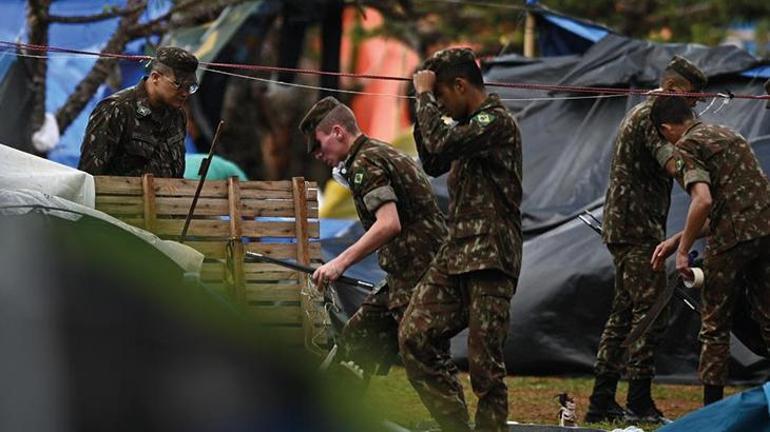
126, 136
472, 280
635, 211
378, 174
739, 243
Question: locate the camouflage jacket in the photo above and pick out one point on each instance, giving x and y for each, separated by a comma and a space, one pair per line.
377, 174
125, 136
483, 157
639, 193
740, 190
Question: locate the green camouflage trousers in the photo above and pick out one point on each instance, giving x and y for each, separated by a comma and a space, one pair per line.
441, 307
741, 270
370, 337
637, 287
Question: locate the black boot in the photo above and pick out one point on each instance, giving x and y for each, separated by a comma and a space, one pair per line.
712, 393
602, 406
641, 408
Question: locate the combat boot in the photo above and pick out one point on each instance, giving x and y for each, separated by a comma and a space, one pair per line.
602, 406
712, 393
640, 407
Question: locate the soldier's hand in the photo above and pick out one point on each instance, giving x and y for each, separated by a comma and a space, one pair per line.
683, 265
328, 272
662, 251
424, 80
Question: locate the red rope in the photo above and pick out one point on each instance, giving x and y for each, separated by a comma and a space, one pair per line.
264, 68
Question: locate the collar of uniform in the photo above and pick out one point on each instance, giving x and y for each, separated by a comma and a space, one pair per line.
354, 149
143, 107
492, 101
692, 126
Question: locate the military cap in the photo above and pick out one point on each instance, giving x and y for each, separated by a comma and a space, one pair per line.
450, 56
180, 61
689, 71
314, 116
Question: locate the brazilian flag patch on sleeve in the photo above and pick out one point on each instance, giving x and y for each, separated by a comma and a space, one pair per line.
483, 119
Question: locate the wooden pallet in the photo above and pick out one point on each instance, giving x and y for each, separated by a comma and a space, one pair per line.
275, 218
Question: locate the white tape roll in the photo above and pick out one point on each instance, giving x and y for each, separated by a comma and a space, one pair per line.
697, 280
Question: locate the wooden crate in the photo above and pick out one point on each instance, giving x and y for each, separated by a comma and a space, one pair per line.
275, 218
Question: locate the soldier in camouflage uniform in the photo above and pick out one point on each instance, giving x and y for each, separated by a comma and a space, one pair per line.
474, 275
396, 206
141, 129
635, 212
730, 203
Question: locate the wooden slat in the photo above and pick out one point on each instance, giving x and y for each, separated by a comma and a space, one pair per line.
116, 205
175, 206
234, 205
278, 293
277, 314
252, 271
216, 249
300, 220
148, 202
113, 185
221, 228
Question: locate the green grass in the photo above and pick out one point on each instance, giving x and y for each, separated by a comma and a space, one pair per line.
531, 399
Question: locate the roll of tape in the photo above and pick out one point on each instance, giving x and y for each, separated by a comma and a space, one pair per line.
697, 280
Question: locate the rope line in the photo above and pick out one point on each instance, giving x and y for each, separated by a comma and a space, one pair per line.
251, 67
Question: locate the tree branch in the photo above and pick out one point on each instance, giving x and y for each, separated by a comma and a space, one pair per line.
113, 13
176, 17
37, 31
87, 87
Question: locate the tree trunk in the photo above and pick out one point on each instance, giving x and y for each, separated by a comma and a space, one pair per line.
37, 31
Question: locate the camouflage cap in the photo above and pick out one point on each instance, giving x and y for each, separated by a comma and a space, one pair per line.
689, 71
314, 116
180, 61
447, 57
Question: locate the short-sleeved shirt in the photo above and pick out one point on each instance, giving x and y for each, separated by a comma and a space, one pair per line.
483, 154
740, 191
639, 194
377, 174
126, 136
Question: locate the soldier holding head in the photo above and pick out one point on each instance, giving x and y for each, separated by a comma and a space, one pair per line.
403, 223
474, 275
635, 212
141, 129
730, 204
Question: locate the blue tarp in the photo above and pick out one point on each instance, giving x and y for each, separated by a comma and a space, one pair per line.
743, 412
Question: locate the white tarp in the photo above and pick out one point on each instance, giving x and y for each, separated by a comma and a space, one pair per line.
19, 170
22, 201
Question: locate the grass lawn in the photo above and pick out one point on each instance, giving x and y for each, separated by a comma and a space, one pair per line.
531, 399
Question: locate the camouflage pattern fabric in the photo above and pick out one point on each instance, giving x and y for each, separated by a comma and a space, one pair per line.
378, 173
639, 193
442, 306
370, 337
636, 289
738, 247
740, 189
725, 274
126, 137
483, 157
474, 275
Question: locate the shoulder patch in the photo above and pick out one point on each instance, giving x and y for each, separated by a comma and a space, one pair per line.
483, 118
679, 164
359, 177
